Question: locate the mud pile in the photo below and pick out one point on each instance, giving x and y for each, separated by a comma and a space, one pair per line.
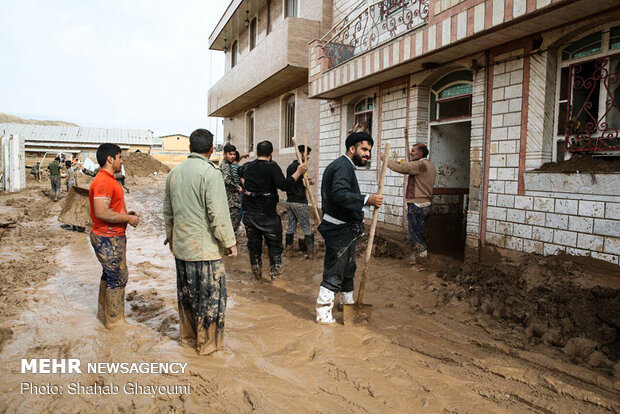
583, 163
546, 298
140, 164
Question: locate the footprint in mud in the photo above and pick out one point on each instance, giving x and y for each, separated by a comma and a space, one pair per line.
145, 306
150, 269
148, 307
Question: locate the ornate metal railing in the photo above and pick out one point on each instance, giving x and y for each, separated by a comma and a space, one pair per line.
369, 25
593, 118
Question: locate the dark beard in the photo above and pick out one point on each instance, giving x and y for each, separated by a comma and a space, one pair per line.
358, 161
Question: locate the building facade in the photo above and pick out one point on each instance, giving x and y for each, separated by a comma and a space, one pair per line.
171, 149
263, 94
496, 88
42, 140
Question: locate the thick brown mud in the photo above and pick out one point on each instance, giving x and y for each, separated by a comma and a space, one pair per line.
419, 353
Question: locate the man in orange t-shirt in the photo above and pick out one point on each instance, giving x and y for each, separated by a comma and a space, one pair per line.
109, 216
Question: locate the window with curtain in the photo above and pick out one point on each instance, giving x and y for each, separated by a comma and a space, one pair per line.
249, 136
289, 121
233, 55
291, 8
253, 33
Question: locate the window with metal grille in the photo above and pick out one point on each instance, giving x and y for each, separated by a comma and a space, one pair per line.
291, 8
249, 136
362, 119
588, 96
253, 32
289, 121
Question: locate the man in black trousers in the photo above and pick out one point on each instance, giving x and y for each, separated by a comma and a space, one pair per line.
343, 223
263, 177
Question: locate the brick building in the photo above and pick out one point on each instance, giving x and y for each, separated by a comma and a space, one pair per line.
495, 88
263, 94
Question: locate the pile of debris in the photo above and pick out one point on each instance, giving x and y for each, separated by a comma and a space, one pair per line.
140, 164
550, 299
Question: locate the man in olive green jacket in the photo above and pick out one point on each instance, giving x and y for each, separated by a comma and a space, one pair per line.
198, 228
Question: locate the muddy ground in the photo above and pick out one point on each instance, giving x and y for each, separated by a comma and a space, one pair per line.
432, 345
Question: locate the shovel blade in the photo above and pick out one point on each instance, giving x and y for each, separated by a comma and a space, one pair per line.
356, 314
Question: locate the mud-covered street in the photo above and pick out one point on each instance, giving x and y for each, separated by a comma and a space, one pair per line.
428, 348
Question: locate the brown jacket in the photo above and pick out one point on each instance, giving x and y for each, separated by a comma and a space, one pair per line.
421, 179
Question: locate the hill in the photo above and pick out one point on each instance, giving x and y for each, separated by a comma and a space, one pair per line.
15, 119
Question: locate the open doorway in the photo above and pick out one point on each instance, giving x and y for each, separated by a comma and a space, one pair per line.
449, 152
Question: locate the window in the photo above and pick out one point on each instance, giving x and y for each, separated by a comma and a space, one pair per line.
233, 54
253, 31
289, 121
451, 96
291, 8
362, 119
249, 133
588, 98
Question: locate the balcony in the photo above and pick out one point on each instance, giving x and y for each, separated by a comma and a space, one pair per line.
371, 24
277, 64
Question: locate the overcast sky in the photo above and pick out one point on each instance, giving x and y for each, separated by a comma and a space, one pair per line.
141, 64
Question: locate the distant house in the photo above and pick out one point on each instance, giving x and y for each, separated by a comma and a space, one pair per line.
76, 141
171, 149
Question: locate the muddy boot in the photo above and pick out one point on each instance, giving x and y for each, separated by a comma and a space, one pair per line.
345, 298
114, 307
101, 302
275, 271
55, 197
289, 250
412, 259
422, 258
324, 305
257, 271
310, 245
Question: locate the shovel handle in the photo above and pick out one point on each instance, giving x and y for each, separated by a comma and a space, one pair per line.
373, 226
309, 194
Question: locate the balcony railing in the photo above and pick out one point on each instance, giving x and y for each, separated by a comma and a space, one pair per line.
370, 25
593, 119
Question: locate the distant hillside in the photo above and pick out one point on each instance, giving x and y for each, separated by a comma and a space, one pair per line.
18, 120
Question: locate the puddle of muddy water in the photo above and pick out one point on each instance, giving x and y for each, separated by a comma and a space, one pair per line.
413, 357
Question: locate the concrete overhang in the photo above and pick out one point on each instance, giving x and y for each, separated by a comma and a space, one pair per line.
232, 22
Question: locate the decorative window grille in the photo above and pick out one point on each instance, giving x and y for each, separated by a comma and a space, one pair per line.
289, 121
253, 33
588, 103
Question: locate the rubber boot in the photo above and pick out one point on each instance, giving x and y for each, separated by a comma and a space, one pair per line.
101, 301
257, 271
114, 307
310, 245
412, 259
345, 298
275, 271
324, 305
290, 245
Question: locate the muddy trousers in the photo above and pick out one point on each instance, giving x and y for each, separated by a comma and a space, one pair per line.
201, 298
55, 183
339, 264
112, 254
235, 217
257, 227
417, 218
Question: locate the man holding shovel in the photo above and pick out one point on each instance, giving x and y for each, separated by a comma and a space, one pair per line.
343, 223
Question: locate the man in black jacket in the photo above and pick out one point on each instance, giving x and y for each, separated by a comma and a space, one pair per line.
297, 209
343, 223
263, 177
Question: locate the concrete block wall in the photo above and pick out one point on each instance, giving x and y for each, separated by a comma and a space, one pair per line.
393, 124
329, 139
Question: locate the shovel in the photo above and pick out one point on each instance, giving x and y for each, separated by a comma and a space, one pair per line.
359, 312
